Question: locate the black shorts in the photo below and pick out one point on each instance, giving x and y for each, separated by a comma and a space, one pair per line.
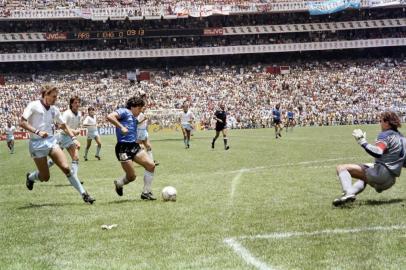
127, 151
220, 127
276, 121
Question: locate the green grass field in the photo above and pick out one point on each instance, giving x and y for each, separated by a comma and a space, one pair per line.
235, 208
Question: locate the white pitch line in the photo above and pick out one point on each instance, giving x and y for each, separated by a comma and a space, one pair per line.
234, 184
292, 164
250, 259
246, 255
282, 235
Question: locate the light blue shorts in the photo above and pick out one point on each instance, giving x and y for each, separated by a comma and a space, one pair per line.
142, 134
92, 135
9, 138
65, 141
187, 126
40, 148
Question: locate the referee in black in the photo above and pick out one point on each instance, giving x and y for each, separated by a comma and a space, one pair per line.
221, 125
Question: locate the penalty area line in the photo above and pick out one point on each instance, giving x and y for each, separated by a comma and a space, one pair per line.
246, 255
281, 235
234, 184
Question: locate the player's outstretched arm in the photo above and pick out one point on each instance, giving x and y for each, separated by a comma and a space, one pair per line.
374, 150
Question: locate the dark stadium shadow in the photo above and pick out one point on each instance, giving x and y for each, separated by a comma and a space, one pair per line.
382, 202
33, 205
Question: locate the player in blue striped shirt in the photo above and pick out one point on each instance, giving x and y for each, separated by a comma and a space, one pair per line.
128, 150
290, 120
276, 114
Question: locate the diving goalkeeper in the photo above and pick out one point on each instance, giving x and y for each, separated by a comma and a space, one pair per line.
389, 152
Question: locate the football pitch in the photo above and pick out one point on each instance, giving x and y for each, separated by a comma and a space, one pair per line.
263, 204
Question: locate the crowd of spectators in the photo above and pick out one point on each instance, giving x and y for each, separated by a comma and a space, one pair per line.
137, 7
85, 4
320, 92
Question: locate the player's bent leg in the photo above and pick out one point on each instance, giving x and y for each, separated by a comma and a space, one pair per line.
184, 136
226, 147
187, 138
148, 148
280, 128
345, 173
144, 160
127, 178
74, 154
355, 170
60, 160
43, 170
88, 144
215, 138
42, 174
98, 141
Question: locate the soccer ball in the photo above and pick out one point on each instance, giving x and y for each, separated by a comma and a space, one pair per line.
169, 194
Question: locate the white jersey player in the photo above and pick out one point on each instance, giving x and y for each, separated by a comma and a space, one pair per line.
9, 130
187, 119
72, 118
90, 123
39, 118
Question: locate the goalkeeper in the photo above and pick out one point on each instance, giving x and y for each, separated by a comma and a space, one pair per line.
389, 152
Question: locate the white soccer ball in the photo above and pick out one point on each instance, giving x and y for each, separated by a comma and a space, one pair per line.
169, 194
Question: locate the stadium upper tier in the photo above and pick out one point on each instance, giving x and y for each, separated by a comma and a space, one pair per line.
154, 43
74, 4
263, 19
170, 9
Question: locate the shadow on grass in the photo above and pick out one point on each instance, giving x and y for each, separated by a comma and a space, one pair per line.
65, 185
180, 139
370, 203
130, 201
33, 205
382, 202
120, 201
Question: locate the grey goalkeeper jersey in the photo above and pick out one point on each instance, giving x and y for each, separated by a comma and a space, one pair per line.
394, 155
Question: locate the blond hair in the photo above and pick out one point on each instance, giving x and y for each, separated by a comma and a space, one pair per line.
47, 89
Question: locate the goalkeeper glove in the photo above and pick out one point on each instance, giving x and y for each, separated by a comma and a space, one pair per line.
360, 136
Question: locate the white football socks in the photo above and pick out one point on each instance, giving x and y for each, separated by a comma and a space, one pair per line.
148, 177
345, 180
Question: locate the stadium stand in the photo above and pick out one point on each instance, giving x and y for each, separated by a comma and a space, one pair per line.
322, 92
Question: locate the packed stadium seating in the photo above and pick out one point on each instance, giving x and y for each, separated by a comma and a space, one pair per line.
321, 93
